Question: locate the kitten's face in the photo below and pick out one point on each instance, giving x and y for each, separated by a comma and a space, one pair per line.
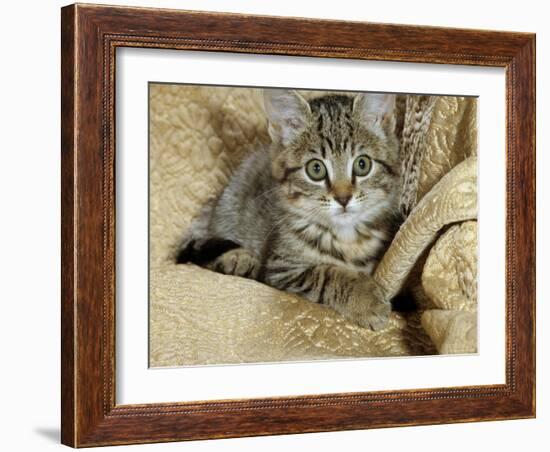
335, 158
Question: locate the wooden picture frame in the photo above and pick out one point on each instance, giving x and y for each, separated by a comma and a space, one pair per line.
90, 36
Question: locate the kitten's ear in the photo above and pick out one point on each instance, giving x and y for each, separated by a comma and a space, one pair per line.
288, 113
376, 109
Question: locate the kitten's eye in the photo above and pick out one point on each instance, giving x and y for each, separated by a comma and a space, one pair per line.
362, 165
316, 170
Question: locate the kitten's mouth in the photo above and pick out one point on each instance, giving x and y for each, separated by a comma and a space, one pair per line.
344, 212
342, 215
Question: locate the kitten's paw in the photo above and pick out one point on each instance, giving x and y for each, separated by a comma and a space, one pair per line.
238, 262
367, 307
376, 316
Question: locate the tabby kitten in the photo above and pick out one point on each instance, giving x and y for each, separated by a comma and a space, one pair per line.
313, 214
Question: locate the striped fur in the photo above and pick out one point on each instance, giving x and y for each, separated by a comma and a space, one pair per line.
292, 232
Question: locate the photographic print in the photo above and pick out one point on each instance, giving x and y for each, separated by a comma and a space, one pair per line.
293, 224
276, 225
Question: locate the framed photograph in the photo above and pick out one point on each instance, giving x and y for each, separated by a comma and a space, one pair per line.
281, 225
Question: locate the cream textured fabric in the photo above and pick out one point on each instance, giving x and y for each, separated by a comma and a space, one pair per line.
198, 135
448, 279
452, 200
449, 274
198, 317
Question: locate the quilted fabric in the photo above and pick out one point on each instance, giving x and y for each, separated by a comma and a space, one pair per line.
198, 135
449, 277
198, 317
451, 138
452, 200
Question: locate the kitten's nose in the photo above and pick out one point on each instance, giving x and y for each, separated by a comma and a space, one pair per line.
343, 199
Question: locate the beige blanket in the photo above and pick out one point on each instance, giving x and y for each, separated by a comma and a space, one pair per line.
198, 135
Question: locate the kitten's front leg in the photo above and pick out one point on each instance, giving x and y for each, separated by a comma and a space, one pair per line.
355, 295
364, 304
